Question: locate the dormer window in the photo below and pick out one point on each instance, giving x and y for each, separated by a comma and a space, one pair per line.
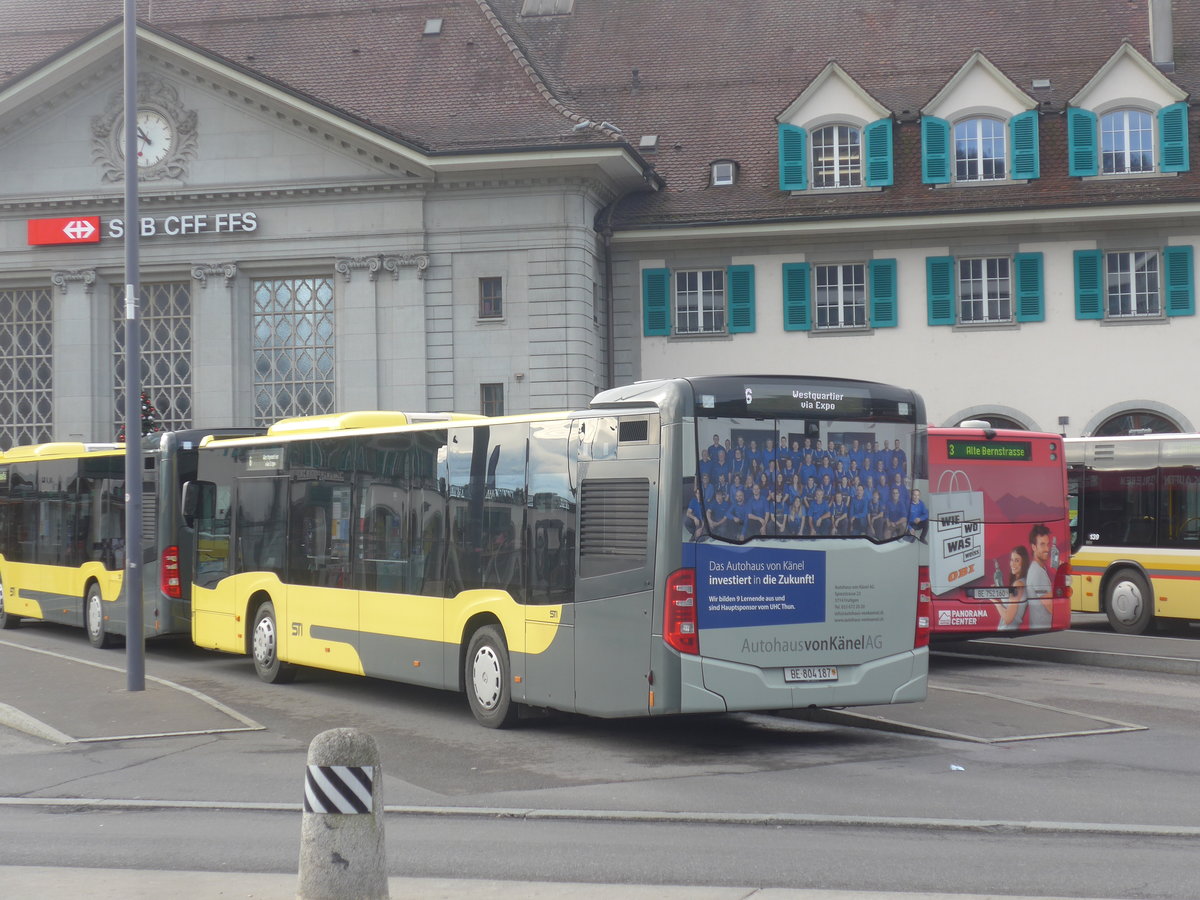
722, 173
836, 157
1126, 142
980, 150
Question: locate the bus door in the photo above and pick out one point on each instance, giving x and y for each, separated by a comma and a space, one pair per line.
320, 624
614, 599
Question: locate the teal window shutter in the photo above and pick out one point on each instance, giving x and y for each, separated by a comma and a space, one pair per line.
1023, 141
656, 302
883, 293
1031, 303
939, 289
1181, 292
795, 297
1082, 128
878, 139
1089, 284
793, 159
1173, 137
935, 150
740, 292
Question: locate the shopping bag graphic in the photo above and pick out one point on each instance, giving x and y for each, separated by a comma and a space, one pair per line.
955, 532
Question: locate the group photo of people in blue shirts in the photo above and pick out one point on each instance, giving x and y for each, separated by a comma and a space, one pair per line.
754, 482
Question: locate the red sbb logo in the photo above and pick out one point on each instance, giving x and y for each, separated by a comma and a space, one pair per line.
77, 230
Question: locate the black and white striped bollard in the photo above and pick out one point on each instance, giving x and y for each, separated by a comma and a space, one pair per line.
342, 852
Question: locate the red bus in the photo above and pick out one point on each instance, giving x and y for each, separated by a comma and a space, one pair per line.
996, 527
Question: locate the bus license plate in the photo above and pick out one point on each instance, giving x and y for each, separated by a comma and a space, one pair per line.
810, 673
993, 593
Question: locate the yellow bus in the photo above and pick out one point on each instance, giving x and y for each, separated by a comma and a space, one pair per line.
556, 560
1135, 528
62, 534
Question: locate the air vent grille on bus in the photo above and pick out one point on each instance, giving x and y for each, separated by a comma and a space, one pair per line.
1104, 451
634, 430
614, 514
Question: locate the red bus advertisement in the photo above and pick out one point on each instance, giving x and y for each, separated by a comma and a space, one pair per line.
996, 527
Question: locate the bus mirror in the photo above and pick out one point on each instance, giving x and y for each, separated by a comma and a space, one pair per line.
195, 493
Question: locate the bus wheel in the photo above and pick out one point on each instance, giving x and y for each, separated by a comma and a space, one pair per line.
265, 647
1129, 606
7, 621
489, 684
93, 614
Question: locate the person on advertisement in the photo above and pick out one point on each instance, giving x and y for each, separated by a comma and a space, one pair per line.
918, 516
1039, 582
1012, 611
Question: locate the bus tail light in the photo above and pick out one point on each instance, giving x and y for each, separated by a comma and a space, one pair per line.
679, 616
168, 573
924, 608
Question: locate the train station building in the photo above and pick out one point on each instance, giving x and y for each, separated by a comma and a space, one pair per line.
508, 205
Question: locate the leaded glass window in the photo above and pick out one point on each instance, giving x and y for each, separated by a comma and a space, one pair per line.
165, 311
293, 348
26, 367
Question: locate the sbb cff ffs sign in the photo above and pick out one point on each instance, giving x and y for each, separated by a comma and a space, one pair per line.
76, 230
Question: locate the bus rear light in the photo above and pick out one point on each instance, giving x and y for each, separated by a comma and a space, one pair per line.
168, 573
924, 608
679, 614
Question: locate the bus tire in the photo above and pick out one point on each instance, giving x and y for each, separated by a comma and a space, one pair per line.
93, 618
1129, 604
488, 678
6, 620
264, 647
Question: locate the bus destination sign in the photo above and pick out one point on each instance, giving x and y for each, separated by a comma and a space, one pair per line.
1009, 451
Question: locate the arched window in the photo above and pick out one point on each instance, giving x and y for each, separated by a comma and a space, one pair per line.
979, 150
836, 157
1139, 422
1126, 142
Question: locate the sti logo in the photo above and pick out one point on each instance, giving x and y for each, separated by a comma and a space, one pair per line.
79, 230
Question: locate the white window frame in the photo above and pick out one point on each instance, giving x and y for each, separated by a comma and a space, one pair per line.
837, 156
985, 290
699, 301
980, 149
1128, 292
1118, 135
840, 296
722, 173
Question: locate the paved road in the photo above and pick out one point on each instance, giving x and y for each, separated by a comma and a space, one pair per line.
71, 701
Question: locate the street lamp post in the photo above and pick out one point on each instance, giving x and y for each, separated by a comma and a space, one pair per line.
135, 637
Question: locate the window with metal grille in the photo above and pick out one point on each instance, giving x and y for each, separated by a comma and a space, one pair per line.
293, 348
26, 367
165, 312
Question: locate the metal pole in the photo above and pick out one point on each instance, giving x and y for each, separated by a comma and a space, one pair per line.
135, 635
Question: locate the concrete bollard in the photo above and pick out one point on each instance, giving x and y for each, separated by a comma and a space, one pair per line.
342, 853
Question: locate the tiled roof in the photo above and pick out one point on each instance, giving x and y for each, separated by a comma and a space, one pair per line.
708, 77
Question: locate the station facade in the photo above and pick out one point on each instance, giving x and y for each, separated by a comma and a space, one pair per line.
507, 205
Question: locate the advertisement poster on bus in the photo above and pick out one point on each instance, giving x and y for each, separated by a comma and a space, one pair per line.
998, 534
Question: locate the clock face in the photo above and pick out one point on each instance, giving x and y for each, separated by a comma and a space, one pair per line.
154, 138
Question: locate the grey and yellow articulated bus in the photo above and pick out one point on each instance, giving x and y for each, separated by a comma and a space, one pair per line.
62, 534
656, 553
